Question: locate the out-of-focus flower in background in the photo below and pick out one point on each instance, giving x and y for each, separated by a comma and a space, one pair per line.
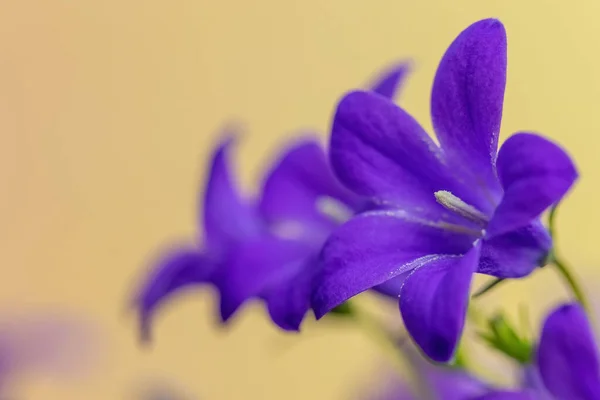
47, 344
159, 389
423, 380
439, 382
566, 360
267, 247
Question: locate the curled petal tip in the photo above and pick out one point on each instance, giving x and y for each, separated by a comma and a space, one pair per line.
390, 80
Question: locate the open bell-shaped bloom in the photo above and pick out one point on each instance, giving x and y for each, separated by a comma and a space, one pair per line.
445, 211
263, 248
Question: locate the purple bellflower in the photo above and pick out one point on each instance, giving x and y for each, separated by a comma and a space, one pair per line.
444, 211
267, 248
566, 358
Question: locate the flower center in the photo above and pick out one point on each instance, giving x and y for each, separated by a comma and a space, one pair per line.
296, 229
458, 206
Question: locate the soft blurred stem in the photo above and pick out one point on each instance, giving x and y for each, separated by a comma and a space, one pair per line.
488, 287
461, 360
563, 269
571, 281
393, 346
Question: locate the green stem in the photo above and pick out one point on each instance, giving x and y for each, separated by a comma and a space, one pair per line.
571, 281
551, 221
562, 267
489, 286
461, 360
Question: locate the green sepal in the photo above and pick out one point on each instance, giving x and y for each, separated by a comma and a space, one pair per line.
502, 336
343, 310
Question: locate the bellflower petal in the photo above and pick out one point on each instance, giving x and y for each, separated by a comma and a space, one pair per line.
296, 184
380, 151
176, 270
289, 302
227, 216
531, 381
535, 174
392, 287
375, 247
256, 267
467, 99
515, 254
567, 356
434, 301
388, 82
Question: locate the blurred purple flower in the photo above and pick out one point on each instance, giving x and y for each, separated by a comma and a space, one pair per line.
261, 249
157, 389
447, 211
444, 383
567, 355
531, 382
439, 382
565, 364
47, 345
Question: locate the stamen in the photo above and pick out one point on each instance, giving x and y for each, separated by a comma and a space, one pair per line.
455, 204
334, 209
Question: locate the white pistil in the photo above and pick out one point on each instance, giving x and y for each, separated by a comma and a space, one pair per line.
456, 205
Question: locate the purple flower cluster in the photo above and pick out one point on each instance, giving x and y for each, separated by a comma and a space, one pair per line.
391, 209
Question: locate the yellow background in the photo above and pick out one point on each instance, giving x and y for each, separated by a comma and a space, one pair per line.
109, 109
